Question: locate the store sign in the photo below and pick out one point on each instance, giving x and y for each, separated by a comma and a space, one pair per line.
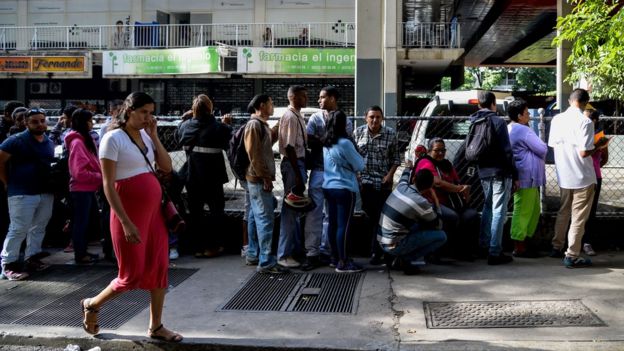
296, 60
58, 64
16, 64
42, 64
163, 61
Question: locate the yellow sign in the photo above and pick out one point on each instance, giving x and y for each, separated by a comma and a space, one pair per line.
58, 64
16, 64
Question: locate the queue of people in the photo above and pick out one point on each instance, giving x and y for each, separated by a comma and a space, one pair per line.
426, 214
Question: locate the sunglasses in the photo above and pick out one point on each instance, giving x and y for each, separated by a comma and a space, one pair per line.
35, 111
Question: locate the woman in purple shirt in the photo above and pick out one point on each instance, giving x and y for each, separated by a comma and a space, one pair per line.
529, 154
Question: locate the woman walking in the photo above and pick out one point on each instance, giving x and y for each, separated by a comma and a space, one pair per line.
341, 162
85, 180
137, 225
529, 154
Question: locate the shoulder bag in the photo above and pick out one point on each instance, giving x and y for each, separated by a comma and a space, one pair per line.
175, 222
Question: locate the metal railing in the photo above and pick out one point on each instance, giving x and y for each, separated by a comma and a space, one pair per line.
105, 37
429, 35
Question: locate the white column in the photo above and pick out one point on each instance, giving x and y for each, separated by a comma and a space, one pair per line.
136, 11
391, 31
369, 53
260, 16
563, 52
23, 41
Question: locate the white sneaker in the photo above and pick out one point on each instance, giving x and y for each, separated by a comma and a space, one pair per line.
244, 251
173, 254
589, 250
288, 262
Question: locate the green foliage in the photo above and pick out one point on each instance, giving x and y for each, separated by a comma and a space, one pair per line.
595, 29
539, 80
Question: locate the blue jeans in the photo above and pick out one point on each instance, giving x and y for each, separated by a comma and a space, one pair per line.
340, 205
496, 192
29, 217
418, 243
290, 226
316, 222
82, 203
261, 216
252, 236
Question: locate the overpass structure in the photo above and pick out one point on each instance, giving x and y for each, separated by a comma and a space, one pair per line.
436, 38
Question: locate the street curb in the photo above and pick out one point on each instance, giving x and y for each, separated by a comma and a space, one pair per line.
138, 343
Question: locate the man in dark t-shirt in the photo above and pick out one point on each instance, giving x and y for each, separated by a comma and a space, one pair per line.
25, 160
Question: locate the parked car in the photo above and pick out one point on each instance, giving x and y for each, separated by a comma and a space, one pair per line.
278, 112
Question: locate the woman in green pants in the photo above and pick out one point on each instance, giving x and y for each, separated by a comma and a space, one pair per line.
529, 153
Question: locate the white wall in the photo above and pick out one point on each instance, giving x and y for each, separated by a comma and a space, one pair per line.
100, 12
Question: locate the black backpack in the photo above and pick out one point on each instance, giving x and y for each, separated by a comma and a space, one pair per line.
237, 155
480, 139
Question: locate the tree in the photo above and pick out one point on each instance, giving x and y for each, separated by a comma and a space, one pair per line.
538, 80
595, 29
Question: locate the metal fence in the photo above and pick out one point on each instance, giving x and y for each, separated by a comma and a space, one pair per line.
104, 37
454, 129
412, 131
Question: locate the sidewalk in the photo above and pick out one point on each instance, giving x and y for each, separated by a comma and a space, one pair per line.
390, 314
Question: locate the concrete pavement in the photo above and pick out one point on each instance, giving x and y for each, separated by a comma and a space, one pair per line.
390, 314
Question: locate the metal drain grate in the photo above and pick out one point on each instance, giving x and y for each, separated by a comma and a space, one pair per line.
509, 314
52, 297
298, 292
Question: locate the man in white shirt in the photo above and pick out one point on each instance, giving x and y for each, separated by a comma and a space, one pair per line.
572, 139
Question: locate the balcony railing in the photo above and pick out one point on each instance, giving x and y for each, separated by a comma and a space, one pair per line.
177, 36
444, 35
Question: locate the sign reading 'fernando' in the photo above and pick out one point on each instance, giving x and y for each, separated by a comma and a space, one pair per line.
296, 60
165, 61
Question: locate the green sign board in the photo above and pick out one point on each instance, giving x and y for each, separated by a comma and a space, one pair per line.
339, 61
162, 61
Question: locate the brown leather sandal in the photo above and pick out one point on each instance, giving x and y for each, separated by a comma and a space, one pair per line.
89, 318
173, 337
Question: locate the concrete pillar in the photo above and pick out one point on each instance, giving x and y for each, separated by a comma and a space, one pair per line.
369, 53
23, 41
136, 11
390, 83
260, 16
563, 52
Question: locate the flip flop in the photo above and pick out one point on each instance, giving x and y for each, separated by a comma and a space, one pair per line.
174, 337
90, 325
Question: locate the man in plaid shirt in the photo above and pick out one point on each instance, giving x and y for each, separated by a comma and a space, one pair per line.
379, 146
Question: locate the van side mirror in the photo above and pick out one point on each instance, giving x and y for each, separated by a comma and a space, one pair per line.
450, 106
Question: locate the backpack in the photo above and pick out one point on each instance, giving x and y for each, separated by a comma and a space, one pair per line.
237, 154
480, 139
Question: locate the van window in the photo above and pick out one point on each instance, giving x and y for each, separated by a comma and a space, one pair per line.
458, 110
447, 128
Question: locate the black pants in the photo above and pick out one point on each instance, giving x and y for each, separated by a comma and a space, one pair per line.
207, 231
591, 224
372, 204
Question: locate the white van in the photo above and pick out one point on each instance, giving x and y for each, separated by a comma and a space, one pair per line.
449, 104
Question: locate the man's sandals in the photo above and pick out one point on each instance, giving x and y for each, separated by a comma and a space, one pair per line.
89, 317
168, 335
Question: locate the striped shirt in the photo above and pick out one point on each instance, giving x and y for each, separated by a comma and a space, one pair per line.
404, 208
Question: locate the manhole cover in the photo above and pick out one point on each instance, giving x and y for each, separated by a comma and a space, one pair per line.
298, 292
52, 297
509, 314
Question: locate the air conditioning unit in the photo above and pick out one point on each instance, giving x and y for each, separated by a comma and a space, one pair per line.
55, 88
38, 88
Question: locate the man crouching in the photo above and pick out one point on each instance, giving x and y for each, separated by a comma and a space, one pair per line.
409, 224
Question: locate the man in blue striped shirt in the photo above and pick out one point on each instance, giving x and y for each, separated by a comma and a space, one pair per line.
409, 224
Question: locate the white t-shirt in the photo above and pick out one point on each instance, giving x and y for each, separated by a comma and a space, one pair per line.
117, 146
570, 133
